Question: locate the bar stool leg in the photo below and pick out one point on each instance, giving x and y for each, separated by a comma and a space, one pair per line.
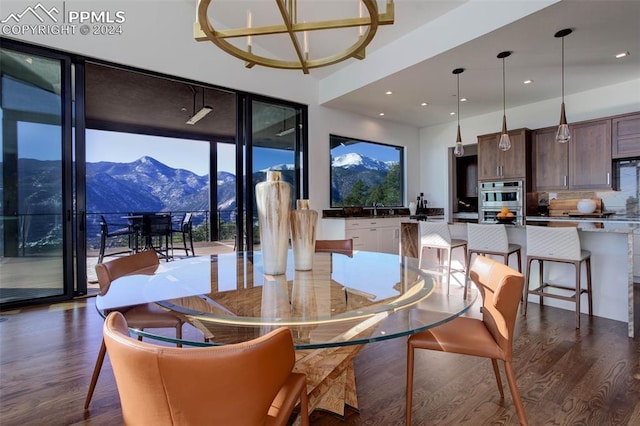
448, 269
541, 266
578, 266
525, 291
589, 298
466, 274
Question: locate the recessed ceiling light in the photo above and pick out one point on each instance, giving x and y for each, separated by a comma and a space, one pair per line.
463, 99
389, 92
424, 104
452, 113
528, 81
381, 114
622, 55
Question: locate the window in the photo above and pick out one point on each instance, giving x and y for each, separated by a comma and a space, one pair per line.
363, 173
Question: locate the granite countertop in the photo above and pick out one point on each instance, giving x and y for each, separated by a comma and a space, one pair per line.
614, 223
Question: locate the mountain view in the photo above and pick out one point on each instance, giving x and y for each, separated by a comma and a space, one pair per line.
147, 185
358, 180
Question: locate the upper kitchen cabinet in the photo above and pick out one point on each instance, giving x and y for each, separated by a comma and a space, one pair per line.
494, 164
583, 163
550, 161
590, 156
626, 136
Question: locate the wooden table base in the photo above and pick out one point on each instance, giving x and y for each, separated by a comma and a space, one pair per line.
331, 380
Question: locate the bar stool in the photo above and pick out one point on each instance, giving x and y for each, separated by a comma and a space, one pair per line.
557, 245
436, 235
490, 240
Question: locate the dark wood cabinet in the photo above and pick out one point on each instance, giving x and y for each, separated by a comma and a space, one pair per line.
583, 163
550, 161
494, 164
590, 156
467, 176
626, 136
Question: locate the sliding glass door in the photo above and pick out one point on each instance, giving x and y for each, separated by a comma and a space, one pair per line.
276, 145
35, 126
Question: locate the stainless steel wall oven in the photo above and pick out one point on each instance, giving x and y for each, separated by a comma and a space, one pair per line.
493, 196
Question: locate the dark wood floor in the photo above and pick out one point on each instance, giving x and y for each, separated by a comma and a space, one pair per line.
589, 376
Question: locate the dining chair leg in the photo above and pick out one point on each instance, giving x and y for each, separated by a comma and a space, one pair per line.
409, 395
496, 371
96, 373
515, 393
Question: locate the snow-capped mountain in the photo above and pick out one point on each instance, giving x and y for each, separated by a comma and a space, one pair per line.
354, 160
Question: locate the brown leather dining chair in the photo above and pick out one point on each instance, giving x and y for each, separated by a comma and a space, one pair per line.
249, 383
148, 315
490, 337
335, 246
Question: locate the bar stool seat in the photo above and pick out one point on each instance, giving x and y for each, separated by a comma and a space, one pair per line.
560, 245
436, 235
492, 240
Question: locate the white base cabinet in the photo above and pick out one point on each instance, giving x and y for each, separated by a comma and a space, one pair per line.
369, 234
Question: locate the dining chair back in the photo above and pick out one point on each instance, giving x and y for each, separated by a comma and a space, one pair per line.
156, 229
335, 246
117, 231
184, 227
148, 315
250, 383
491, 337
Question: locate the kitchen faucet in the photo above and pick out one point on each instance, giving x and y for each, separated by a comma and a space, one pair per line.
375, 208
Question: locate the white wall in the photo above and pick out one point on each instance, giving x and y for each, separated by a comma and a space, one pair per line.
324, 121
435, 141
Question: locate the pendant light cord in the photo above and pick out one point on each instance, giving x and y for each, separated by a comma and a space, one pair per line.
504, 96
562, 79
458, 98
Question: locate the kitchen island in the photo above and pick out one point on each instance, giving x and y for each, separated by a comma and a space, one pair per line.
610, 242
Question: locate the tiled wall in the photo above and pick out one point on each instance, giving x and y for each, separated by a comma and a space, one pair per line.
625, 201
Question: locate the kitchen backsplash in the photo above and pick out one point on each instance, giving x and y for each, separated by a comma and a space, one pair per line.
622, 202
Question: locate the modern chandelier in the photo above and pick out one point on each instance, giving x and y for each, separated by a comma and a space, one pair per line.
298, 34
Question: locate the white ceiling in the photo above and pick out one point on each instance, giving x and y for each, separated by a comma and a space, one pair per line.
602, 28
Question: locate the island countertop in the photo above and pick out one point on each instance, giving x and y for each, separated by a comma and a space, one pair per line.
620, 224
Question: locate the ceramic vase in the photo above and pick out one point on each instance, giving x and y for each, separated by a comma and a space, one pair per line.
273, 201
412, 208
303, 235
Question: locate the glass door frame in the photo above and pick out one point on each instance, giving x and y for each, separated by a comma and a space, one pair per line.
66, 111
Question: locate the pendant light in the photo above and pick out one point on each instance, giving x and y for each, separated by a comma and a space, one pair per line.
458, 151
563, 135
505, 142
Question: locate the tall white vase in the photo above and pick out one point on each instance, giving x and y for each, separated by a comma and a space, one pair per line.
303, 235
273, 201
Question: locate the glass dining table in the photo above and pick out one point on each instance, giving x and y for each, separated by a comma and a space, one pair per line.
332, 310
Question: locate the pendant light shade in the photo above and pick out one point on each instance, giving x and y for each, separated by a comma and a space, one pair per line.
563, 134
505, 142
458, 151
